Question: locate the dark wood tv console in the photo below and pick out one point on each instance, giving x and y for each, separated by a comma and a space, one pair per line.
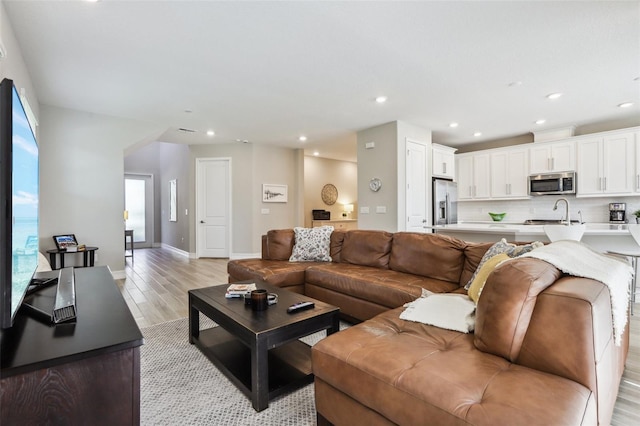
87, 372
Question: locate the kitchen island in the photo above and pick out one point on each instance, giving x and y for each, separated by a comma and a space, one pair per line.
600, 236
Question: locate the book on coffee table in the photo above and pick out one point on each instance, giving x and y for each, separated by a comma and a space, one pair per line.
239, 290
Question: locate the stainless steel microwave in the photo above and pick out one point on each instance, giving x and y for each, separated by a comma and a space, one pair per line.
552, 183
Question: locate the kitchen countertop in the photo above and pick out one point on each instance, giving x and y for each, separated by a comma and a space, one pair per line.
600, 236
519, 228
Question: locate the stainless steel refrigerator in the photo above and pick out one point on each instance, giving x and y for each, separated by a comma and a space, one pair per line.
445, 202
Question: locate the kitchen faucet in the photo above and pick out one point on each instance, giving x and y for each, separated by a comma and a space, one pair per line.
555, 207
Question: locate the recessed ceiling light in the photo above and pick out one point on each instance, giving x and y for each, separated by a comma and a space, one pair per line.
381, 99
515, 84
302, 138
625, 104
541, 121
316, 153
453, 124
210, 133
477, 134
554, 95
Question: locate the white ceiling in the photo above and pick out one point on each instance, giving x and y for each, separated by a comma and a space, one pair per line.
268, 72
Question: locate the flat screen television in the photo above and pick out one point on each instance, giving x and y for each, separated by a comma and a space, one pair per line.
19, 191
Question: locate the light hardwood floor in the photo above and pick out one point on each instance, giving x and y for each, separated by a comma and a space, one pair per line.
158, 280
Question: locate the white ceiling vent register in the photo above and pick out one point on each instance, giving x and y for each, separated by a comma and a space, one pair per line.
554, 134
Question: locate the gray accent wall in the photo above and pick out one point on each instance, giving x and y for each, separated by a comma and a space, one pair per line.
386, 161
165, 162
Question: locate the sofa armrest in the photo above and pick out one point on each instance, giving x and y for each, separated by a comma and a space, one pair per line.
571, 335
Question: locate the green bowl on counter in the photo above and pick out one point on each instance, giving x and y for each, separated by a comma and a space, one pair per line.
497, 217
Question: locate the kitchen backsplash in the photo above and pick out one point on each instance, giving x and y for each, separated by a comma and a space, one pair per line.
593, 209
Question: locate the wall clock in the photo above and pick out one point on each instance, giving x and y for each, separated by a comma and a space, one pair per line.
329, 194
375, 184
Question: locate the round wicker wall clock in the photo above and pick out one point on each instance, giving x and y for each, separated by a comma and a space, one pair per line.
329, 194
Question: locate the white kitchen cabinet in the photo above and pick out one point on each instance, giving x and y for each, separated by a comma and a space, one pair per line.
509, 173
637, 160
607, 165
474, 176
443, 161
552, 157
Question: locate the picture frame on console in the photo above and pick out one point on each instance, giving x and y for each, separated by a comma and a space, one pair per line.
66, 241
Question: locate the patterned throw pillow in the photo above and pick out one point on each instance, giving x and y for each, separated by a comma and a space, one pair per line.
475, 289
526, 248
312, 244
501, 246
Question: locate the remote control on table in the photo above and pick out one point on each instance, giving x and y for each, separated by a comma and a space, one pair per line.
300, 306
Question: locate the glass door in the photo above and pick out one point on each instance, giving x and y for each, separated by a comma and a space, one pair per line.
138, 205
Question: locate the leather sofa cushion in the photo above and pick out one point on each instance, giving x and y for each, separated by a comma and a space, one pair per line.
473, 253
276, 272
429, 255
367, 248
383, 287
505, 307
279, 244
412, 373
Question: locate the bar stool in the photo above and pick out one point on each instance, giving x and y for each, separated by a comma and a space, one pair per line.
128, 233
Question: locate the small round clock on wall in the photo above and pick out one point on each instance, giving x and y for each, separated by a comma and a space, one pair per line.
375, 184
329, 194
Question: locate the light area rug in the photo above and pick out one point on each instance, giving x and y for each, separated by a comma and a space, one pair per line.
180, 386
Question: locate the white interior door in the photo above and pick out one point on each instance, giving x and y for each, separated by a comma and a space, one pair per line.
213, 207
416, 186
138, 205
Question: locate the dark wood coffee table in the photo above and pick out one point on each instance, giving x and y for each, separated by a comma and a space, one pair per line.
259, 351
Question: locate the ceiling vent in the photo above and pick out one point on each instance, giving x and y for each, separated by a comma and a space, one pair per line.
554, 134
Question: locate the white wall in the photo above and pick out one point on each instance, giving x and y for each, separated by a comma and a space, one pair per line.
13, 66
251, 166
81, 178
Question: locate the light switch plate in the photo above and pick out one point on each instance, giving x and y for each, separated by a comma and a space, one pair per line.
381, 209
364, 210
265, 211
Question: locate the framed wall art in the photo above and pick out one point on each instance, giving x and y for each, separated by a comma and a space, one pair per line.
274, 193
173, 201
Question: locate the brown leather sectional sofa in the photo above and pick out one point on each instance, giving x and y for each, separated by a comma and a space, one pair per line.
542, 352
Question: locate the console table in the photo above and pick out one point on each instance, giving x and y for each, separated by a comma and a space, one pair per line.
88, 256
84, 372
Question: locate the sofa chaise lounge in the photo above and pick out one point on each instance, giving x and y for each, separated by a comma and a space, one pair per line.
543, 349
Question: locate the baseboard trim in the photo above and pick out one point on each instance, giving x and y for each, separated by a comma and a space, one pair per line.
118, 275
175, 250
234, 256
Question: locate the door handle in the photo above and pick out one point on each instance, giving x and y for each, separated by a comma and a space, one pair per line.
202, 221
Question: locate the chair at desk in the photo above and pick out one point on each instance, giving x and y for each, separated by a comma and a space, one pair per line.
128, 233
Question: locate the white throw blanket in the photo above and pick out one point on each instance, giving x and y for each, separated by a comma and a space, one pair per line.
578, 259
450, 311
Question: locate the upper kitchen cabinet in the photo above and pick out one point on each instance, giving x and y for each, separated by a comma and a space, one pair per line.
509, 172
607, 165
474, 176
443, 161
552, 157
637, 158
